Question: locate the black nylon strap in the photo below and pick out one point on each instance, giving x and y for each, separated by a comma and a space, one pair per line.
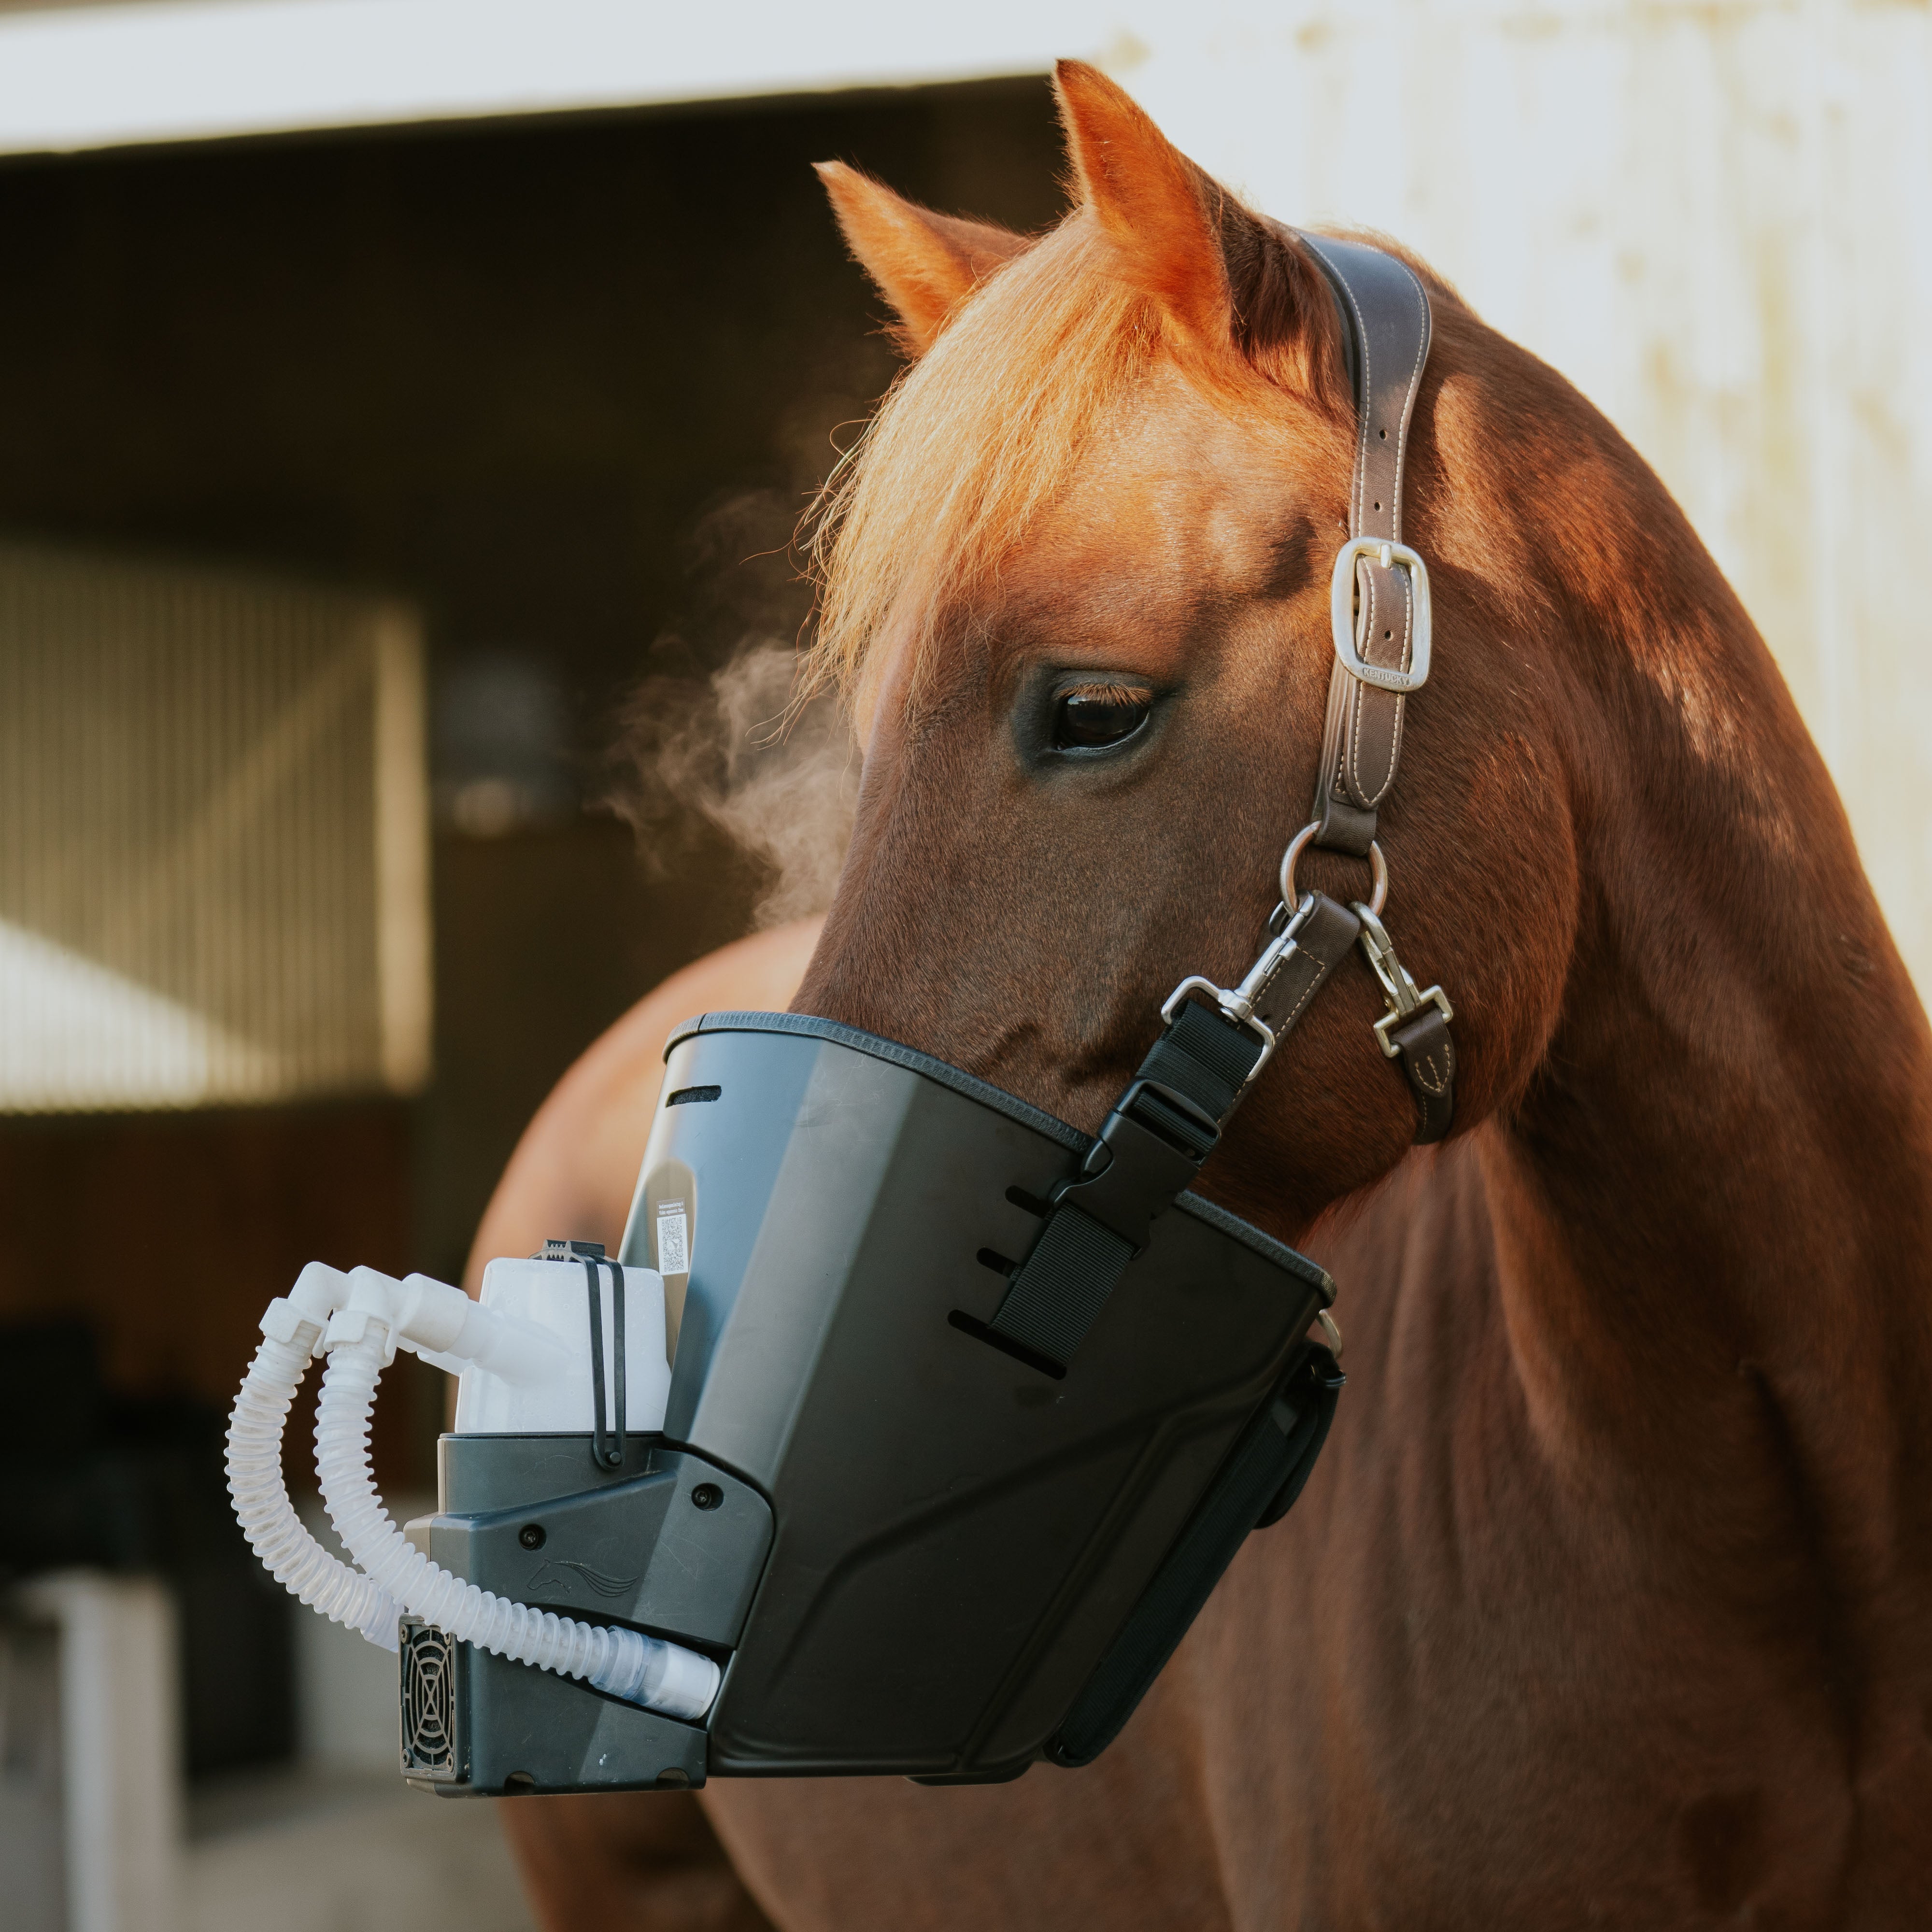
1203, 1056
1075, 1265
602, 1451
1162, 1129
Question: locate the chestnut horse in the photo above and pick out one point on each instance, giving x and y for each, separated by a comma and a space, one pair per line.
1610, 1602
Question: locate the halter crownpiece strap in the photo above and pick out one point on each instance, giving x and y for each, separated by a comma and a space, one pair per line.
1380, 591
1379, 610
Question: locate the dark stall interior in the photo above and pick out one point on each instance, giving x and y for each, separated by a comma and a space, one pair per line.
565, 385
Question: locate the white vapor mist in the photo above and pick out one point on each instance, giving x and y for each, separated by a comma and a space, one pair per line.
730, 750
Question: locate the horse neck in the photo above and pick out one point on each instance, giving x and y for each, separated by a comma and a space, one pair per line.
1713, 1206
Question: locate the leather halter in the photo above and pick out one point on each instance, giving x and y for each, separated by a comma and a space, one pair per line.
1171, 1117
1384, 654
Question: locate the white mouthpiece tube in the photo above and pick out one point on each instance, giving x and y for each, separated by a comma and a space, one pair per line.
441, 1324
290, 1330
641, 1670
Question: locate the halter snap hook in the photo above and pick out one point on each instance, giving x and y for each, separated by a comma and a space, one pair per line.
1398, 988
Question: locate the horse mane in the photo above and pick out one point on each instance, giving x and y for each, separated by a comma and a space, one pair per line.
975, 437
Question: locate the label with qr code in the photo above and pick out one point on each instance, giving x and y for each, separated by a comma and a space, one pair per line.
674, 1239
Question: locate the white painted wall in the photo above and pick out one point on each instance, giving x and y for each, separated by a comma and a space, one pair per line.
1714, 215
80, 75
1717, 220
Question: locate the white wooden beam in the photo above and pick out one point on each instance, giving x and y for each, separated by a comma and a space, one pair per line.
92, 77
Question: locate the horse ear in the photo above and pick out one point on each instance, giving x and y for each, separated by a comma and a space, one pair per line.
1159, 210
923, 262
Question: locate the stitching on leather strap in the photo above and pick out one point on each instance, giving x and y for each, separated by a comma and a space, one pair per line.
1409, 394
1434, 1081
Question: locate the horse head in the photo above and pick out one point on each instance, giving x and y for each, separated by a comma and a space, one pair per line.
1075, 585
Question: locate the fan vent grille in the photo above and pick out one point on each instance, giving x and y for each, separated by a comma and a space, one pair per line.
429, 1701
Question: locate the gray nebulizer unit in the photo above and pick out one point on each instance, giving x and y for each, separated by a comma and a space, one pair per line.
907, 1542
909, 1551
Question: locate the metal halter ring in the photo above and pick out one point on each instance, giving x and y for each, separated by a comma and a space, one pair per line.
1378, 866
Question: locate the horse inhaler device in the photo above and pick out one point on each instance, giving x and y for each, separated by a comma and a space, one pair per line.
786, 1487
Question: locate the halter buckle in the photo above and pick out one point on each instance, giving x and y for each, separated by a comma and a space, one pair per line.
1398, 988
1342, 613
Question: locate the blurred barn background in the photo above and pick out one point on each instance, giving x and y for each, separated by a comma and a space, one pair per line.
387, 387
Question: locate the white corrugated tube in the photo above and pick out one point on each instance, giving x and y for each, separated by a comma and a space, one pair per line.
290, 1330
640, 1669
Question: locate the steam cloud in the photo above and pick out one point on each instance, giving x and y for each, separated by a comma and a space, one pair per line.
730, 749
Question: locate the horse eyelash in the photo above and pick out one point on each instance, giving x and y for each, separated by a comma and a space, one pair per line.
1111, 694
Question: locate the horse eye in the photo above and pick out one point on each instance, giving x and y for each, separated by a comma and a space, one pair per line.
1099, 715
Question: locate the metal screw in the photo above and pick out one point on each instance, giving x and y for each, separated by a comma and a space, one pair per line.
531, 1536
707, 1495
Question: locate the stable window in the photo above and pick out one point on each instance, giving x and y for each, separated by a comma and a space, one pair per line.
213, 868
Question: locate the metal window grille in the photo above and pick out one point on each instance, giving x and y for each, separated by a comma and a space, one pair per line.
214, 861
